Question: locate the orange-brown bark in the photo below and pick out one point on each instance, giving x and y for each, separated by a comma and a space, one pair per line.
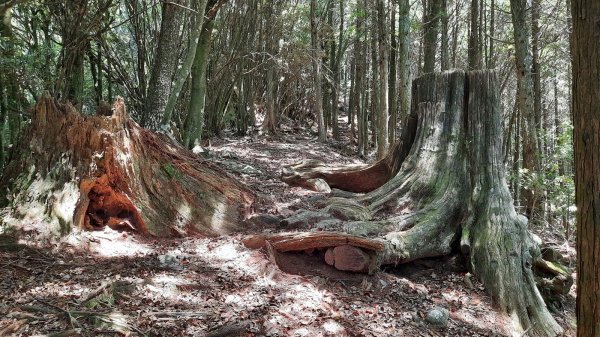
360, 179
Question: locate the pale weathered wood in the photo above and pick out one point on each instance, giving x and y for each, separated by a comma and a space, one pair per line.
298, 241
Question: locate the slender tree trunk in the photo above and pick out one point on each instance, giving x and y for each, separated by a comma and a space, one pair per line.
455, 33
188, 63
360, 79
537, 93
383, 113
491, 63
334, 65
194, 123
474, 42
444, 60
392, 92
431, 29
374, 79
586, 134
404, 57
317, 81
525, 99
165, 61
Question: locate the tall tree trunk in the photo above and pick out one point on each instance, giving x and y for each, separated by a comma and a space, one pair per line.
165, 62
188, 63
444, 49
404, 57
316, 63
491, 61
431, 29
75, 41
335, 58
586, 134
525, 98
373, 82
361, 68
392, 92
455, 33
474, 57
194, 123
537, 94
382, 62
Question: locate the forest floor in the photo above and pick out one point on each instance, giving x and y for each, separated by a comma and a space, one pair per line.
116, 283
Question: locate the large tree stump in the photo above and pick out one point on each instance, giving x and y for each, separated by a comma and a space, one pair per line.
94, 171
450, 191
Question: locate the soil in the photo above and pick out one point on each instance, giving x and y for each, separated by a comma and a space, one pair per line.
108, 282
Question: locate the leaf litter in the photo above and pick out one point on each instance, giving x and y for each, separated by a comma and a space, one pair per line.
111, 283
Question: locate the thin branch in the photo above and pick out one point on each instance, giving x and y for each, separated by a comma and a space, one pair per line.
212, 13
181, 6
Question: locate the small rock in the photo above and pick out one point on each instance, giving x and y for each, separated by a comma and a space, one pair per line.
169, 261
329, 258
437, 317
350, 258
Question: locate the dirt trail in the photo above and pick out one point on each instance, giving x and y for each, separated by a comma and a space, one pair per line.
111, 283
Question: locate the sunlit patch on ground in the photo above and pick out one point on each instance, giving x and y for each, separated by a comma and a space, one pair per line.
195, 286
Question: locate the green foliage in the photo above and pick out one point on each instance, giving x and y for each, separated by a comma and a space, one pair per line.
559, 182
556, 178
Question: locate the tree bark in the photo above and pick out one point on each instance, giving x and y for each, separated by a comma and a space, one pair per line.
450, 191
188, 63
89, 172
165, 62
525, 98
316, 62
194, 121
431, 28
444, 47
404, 57
382, 60
392, 77
474, 54
586, 117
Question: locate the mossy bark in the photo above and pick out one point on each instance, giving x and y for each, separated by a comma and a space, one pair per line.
94, 171
450, 191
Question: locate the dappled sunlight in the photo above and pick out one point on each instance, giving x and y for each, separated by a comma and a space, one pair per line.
165, 286
185, 212
218, 218
229, 255
109, 243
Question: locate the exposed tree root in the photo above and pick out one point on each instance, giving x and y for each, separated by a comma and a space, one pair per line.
450, 191
354, 178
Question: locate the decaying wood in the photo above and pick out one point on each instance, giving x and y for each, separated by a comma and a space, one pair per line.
354, 178
96, 171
